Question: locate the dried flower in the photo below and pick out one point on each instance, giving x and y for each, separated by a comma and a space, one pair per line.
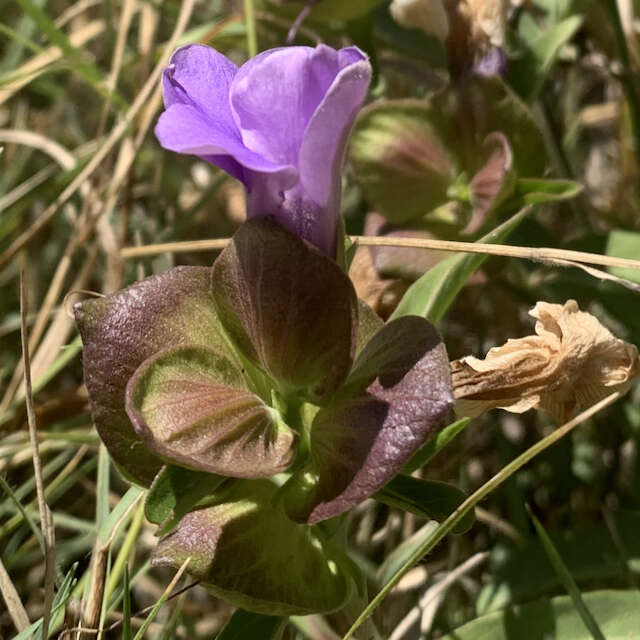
571, 362
428, 15
279, 124
473, 30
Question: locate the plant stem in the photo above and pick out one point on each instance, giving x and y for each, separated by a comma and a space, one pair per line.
250, 19
627, 77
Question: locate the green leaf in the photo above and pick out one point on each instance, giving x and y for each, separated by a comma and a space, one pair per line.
431, 295
465, 115
616, 612
193, 408
400, 161
397, 395
567, 579
113, 521
403, 553
527, 73
120, 331
426, 498
624, 244
369, 323
542, 190
59, 601
126, 606
174, 492
435, 445
245, 624
291, 310
522, 573
244, 549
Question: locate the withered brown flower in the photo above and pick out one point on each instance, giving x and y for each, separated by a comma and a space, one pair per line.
472, 29
572, 362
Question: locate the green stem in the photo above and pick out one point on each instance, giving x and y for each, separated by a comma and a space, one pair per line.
250, 19
125, 552
470, 503
627, 78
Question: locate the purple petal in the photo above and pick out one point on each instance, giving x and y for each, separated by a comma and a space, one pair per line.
200, 76
324, 142
185, 129
274, 96
198, 119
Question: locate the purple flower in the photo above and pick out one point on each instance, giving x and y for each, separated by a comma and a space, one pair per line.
279, 124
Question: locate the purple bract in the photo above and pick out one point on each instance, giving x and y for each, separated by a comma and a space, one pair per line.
279, 124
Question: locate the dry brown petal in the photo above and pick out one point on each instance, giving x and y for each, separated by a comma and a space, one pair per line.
488, 21
428, 15
382, 295
571, 363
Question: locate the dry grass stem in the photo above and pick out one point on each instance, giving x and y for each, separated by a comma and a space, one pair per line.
12, 600
24, 74
536, 254
494, 522
46, 521
116, 133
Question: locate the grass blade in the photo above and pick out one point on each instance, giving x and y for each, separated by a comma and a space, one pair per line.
126, 607
566, 578
167, 592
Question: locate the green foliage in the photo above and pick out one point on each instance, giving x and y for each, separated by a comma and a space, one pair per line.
433, 293
616, 612
436, 444
244, 624
624, 244
174, 492
193, 407
287, 569
427, 498
413, 156
567, 580
541, 48
521, 573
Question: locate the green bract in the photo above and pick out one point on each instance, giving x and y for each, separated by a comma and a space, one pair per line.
462, 149
265, 364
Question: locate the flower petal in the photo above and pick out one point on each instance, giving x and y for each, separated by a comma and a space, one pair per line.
274, 96
324, 142
185, 129
198, 119
201, 76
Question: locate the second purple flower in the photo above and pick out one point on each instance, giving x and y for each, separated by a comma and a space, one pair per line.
279, 124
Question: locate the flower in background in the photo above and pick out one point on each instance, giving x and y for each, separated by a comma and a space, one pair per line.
428, 15
473, 30
572, 362
279, 124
